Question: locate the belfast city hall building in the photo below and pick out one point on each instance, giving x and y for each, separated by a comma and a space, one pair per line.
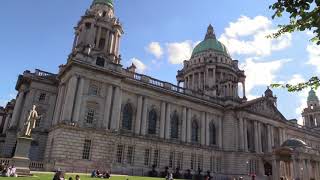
95, 114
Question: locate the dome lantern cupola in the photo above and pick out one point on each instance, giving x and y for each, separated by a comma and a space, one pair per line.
104, 2
210, 43
313, 99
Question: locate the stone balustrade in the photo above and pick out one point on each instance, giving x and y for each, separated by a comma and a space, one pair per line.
34, 165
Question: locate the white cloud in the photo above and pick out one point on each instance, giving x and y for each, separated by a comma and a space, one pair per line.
179, 51
314, 55
260, 73
155, 49
141, 67
296, 78
248, 36
246, 26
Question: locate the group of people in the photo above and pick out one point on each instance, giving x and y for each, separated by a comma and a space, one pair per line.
8, 171
98, 174
59, 175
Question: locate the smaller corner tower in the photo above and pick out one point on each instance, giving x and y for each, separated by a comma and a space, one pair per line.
311, 114
98, 33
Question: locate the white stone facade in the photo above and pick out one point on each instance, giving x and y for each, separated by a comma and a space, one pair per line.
96, 114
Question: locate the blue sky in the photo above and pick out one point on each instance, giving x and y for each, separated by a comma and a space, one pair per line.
158, 36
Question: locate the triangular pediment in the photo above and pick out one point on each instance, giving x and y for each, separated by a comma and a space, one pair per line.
263, 107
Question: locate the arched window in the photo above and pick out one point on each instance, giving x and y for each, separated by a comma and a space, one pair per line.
212, 134
195, 132
127, 117
152, 127
175, 126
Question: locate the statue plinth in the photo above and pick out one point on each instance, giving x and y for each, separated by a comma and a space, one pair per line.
21, 156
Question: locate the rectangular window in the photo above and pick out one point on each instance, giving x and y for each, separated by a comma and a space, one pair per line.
90, 115
88, 25
192, 161
218, 165
130, 155
213, 164
120, 149
171, 160
86, 149
156, 158
200, 162
42, 97
146, 157
100, 61
252, 166
180, 160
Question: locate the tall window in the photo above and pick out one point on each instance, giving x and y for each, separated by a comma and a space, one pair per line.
152, 127
250, 136
218, 165
200, 162
171, 159
146, 157
195, 132
130, 155
86, 149
264, 140
156, 156
175, 126
192, 161
212, 134
213, 164
120, 150
180, 160
127, 117
90, 115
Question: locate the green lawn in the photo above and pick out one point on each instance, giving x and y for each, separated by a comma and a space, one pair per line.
83, 177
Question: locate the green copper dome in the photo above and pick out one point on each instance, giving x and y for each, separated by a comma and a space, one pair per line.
210, 43
312, 96
106, 2
294, 143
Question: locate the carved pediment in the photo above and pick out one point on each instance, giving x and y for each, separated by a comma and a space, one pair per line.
263, 107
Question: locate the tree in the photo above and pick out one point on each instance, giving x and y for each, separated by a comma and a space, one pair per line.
303, 15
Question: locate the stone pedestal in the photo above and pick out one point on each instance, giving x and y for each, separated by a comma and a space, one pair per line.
21, 156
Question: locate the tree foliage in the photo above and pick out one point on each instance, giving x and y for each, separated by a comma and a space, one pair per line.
304, 15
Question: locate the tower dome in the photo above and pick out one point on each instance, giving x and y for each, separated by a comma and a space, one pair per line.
210, 43
105, 2
312, 96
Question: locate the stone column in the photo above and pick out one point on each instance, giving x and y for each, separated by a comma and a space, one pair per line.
269, 138
162, 119
245, 135
256, 141
295, 172
259, 138
193, 81
78, 100
58, 105
275, 169
116, 109
189, 125
220, 131
203, 128
5, 127
168, 121
184, 125
244, 89
98, 36
138, 116
107, 41
107, 107
69, 99
272, 136
241, 133
207, 130
17, 109
111, 42
144, 117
